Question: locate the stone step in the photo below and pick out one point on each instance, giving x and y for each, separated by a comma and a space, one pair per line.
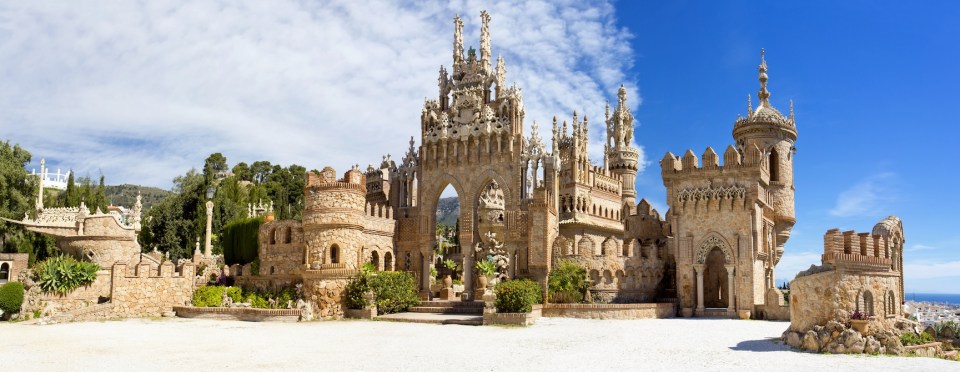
452, 304
446, 310
717, 313
432, 318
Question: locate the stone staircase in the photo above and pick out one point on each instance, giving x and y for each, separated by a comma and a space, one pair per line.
441, 312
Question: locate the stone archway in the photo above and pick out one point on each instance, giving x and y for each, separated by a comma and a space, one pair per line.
715, 293
715, 269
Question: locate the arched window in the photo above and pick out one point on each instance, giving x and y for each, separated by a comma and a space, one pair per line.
273, 236
289, 237
774, 164
867, 303
334, 254
387, 261
375, 260
4, 272
273, 270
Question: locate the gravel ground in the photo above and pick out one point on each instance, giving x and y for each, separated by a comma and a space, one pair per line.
552, 344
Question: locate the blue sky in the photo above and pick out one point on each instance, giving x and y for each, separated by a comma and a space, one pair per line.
143, 92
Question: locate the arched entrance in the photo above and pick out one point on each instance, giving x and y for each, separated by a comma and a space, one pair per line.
4, 272
714, 269
715, 293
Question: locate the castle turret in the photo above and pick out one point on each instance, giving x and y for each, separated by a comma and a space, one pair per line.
774, 134
621, 156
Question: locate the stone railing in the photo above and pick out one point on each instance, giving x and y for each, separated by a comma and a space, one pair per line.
611, 311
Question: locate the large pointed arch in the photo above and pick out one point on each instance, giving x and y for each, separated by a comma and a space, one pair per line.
712, 240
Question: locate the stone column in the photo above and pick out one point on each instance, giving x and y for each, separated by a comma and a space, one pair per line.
425, 277
208, 248
699, 269
730, 296
468, 284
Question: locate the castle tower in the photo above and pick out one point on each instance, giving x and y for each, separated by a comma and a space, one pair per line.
775, 135
622, 158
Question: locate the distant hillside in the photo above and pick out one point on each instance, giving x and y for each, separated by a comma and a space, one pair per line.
448, 210
126, 195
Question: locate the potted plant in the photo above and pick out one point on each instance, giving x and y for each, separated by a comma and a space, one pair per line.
452, 267
858, 321
485, 269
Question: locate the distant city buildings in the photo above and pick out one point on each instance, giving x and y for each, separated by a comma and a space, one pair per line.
50, 180
931, 313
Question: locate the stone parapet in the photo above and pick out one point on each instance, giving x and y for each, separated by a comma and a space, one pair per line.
611, 311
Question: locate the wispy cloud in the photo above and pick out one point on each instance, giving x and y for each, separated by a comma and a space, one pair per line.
865, 198
919, 247
144, 91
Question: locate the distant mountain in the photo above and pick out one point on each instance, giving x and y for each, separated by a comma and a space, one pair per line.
126, 195
448, 210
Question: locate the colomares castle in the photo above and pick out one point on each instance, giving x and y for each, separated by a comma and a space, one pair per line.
528, 204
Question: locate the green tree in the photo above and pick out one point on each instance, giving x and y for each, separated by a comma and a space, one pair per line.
242, 172
17, 192
260, 170
71, 197
214, 164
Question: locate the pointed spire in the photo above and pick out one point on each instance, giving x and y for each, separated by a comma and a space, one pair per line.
791, 109
606, 112
763, 94
485, 40
749, 106
457, 41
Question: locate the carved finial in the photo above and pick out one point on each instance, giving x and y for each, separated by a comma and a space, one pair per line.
749, 106
606, 111
763, 94
791, 109
485, 40
457, 41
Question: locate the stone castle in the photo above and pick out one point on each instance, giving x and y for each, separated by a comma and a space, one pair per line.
531, 203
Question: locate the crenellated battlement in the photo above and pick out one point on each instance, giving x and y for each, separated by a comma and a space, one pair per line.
863, 251
732, 159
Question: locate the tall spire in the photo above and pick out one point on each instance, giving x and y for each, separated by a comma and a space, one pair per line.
763, 94
485, 58
457, 41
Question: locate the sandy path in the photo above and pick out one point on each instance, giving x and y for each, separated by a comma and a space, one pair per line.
552, 344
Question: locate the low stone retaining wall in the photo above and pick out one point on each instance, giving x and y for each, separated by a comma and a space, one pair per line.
520, 319
360, 313
932, 349
611, 311
238, 313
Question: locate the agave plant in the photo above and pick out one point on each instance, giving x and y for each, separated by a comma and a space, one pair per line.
63, 274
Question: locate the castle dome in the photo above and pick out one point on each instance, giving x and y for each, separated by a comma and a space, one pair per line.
765, 116
889, 227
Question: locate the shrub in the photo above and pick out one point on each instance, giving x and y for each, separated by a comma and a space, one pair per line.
356, 289
909, 338
208, 296
485, 267
517, 296
567, 282
11, 297
256, 300
63, 274
235, 294
395, 291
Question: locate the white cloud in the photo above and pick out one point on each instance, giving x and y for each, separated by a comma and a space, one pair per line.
145, 91
865, 198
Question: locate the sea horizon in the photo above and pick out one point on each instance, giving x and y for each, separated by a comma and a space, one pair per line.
949, 298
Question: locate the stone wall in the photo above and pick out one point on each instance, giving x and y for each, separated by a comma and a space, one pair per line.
151, 293
326, 293
89, 295
16, 264
816, 299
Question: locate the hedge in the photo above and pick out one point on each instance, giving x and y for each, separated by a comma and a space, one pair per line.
517, 296
241, 240
11, 297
